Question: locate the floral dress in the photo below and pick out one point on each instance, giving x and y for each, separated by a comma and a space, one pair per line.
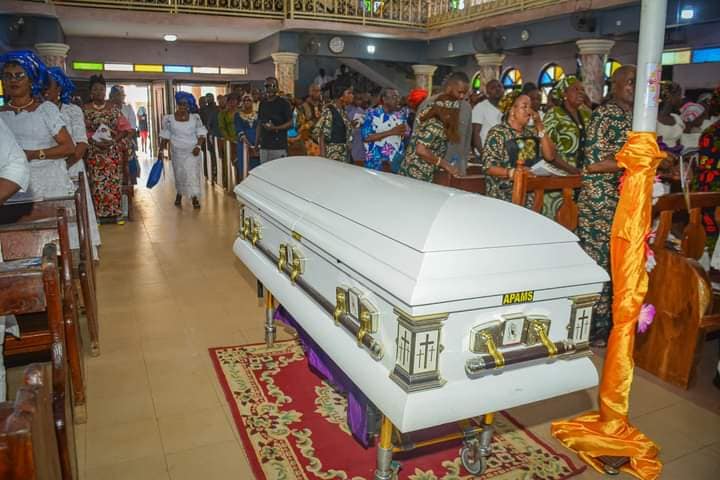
308, 116
431, 134
324, 128
606, 134
105, 166
389, 149
707, 177
500, 142
569, 139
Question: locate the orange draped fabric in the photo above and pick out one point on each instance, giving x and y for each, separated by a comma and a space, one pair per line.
608, 432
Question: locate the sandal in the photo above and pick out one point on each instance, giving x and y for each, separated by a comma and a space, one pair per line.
195, 203
178, 200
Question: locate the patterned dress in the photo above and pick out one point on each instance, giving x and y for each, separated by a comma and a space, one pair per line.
389, 149
497, 154
308, 116
606, 134
569, 139
431, 134
323, 129
707, 177
105, 166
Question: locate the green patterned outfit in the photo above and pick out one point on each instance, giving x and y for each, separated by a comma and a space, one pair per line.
606, 134
569, 139
324, 129
496, 154
431, 133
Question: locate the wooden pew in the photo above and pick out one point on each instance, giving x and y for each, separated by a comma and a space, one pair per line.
28, 444
83, 262
680, 290
20, 241
474, 183
385, 166
525, 183
33, 286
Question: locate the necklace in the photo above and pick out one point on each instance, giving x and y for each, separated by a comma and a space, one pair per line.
101, 107
20, 108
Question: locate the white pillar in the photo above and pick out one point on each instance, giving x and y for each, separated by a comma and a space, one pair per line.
490, 65
593, 56
285, 70
424, 76
53, 54
650, 47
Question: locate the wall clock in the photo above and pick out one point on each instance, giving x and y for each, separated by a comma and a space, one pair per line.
336, 45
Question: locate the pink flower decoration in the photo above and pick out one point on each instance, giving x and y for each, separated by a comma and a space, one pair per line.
647, 315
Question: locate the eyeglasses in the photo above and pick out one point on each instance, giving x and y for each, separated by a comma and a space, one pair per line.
17, 76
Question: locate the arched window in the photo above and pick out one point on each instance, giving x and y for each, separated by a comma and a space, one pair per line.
477, 82
549, 76
511, 79
611, 67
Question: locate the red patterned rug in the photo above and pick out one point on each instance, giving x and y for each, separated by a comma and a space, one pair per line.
293, 427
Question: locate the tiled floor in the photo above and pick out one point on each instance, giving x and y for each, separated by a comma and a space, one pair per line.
170, 287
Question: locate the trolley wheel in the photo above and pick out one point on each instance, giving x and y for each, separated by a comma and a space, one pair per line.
471, 459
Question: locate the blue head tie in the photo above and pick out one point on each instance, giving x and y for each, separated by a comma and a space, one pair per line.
34, 68
188, 98
67, 87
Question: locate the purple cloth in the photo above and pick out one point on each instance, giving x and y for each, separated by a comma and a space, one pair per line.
323, 366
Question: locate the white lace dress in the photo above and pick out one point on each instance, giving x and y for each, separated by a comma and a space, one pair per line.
75, 123
183, 137
36, 131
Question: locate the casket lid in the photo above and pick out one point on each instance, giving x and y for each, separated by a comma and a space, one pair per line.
423, 216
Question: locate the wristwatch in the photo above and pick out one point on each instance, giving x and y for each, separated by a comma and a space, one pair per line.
541, 134
41, 154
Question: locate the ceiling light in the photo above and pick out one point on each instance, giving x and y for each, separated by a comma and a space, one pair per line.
371, 49
687, 13
170, 37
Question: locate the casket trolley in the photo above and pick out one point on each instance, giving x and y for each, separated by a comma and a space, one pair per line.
425, 296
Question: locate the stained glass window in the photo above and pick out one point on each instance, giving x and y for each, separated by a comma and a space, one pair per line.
511, 79
549, 76
611, 67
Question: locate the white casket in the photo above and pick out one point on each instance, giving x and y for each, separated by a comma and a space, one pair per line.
440, 305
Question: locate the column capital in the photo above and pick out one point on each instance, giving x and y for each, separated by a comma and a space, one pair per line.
595, 46
281, 58
424, 69
494, 59
52, 49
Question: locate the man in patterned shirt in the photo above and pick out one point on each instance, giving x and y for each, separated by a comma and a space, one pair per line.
383, 132
606, 134
334, 130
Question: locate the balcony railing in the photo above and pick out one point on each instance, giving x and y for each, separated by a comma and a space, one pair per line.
417, 14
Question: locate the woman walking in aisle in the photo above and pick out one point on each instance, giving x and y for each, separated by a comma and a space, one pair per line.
37, 125
185, 132
59, 90
106, 127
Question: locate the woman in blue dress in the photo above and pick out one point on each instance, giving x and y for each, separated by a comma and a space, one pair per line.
246, 122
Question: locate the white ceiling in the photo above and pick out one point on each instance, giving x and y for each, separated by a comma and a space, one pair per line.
91, 22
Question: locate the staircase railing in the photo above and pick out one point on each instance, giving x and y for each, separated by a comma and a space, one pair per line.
415, 14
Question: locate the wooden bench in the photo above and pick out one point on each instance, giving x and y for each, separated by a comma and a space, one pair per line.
20, 241
28, 442
680, 290
524, 183
32, 286
83, 263
474, 183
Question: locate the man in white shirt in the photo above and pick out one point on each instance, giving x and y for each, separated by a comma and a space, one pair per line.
486, 114
14, 168
322, 78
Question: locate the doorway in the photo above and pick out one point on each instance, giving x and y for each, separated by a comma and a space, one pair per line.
137, 95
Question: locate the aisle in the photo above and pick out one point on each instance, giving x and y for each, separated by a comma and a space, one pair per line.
170, 287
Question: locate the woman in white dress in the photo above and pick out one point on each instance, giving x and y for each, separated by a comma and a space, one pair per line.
58, 90
37, 125
186, 134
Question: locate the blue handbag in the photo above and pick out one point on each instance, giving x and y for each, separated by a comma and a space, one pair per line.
155, 173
